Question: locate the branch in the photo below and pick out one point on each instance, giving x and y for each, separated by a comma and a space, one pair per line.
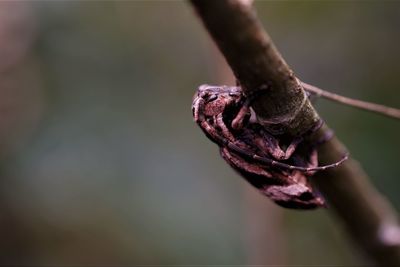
257, 64
379, 109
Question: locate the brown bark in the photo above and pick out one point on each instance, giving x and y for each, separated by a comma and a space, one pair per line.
256, 63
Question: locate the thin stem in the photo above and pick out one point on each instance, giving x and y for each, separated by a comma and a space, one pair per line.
376, 108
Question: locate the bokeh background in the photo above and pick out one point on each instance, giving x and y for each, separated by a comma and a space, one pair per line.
101, 163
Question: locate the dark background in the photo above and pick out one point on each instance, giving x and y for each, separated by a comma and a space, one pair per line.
103, 165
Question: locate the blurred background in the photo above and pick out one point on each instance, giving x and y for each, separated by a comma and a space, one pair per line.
101, 163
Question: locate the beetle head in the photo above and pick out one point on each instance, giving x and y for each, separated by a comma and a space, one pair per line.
214, 99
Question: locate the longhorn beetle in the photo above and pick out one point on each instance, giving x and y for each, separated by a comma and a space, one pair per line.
277, 166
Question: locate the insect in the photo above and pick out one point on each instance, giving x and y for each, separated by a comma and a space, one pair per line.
279, 167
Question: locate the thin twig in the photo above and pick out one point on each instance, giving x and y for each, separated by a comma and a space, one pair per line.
256, 63
376, 108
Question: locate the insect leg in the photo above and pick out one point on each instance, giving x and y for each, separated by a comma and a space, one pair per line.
238, 121
199, 117
293, 145
267, 142
244, 111
197, 109
219, 120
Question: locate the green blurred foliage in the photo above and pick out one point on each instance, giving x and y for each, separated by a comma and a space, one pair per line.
114, 171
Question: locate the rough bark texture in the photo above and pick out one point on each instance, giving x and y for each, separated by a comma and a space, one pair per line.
256, 63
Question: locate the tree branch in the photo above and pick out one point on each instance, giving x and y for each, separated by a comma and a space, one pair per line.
257, 64
376, 108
